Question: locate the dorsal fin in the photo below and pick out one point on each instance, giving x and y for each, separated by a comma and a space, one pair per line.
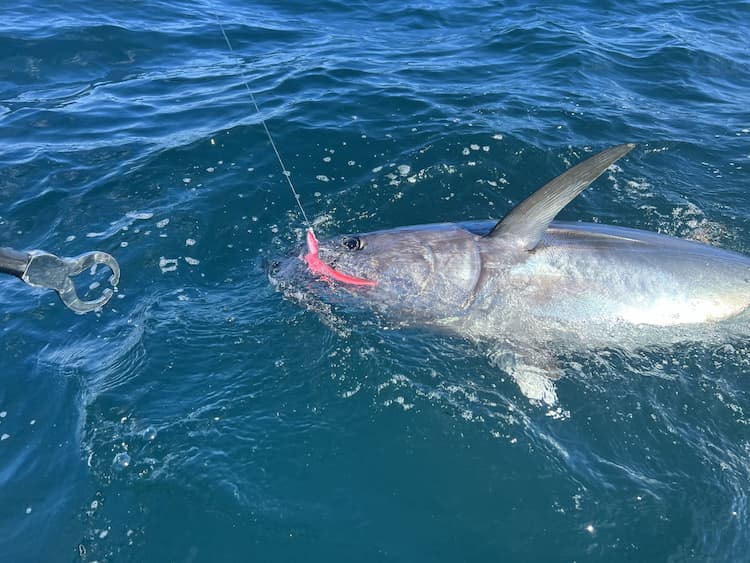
526, 223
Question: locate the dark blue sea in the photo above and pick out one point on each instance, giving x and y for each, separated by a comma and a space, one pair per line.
202, 415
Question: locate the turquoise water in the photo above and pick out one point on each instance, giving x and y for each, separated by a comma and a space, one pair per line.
202, 416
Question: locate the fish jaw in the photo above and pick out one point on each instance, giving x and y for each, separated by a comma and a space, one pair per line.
323, 270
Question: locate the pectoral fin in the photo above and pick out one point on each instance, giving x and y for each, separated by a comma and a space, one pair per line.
535, 372
526, 223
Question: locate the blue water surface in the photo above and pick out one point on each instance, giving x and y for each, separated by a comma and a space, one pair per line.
204, 416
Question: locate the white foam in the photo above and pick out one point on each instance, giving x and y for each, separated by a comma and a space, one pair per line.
167, 264
139, 215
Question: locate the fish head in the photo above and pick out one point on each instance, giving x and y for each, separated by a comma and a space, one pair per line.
385, 263
418, 272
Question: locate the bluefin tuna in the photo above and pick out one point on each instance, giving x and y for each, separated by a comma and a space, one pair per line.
531, 289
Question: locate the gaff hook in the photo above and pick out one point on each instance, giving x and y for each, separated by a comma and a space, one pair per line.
42, 269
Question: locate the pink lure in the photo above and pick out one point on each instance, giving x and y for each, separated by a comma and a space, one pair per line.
320, 268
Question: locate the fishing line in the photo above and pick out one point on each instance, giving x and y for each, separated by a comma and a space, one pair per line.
284, 170
311, 258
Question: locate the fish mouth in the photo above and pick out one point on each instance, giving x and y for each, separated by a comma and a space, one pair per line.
327, 272
282, 272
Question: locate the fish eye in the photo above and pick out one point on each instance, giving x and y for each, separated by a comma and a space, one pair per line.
353, 243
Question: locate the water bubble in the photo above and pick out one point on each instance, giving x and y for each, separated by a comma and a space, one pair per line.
121, 461
149, 433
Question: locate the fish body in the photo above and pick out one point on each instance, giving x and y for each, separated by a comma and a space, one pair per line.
538, 287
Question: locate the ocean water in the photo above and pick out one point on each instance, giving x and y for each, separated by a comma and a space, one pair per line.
204, 416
